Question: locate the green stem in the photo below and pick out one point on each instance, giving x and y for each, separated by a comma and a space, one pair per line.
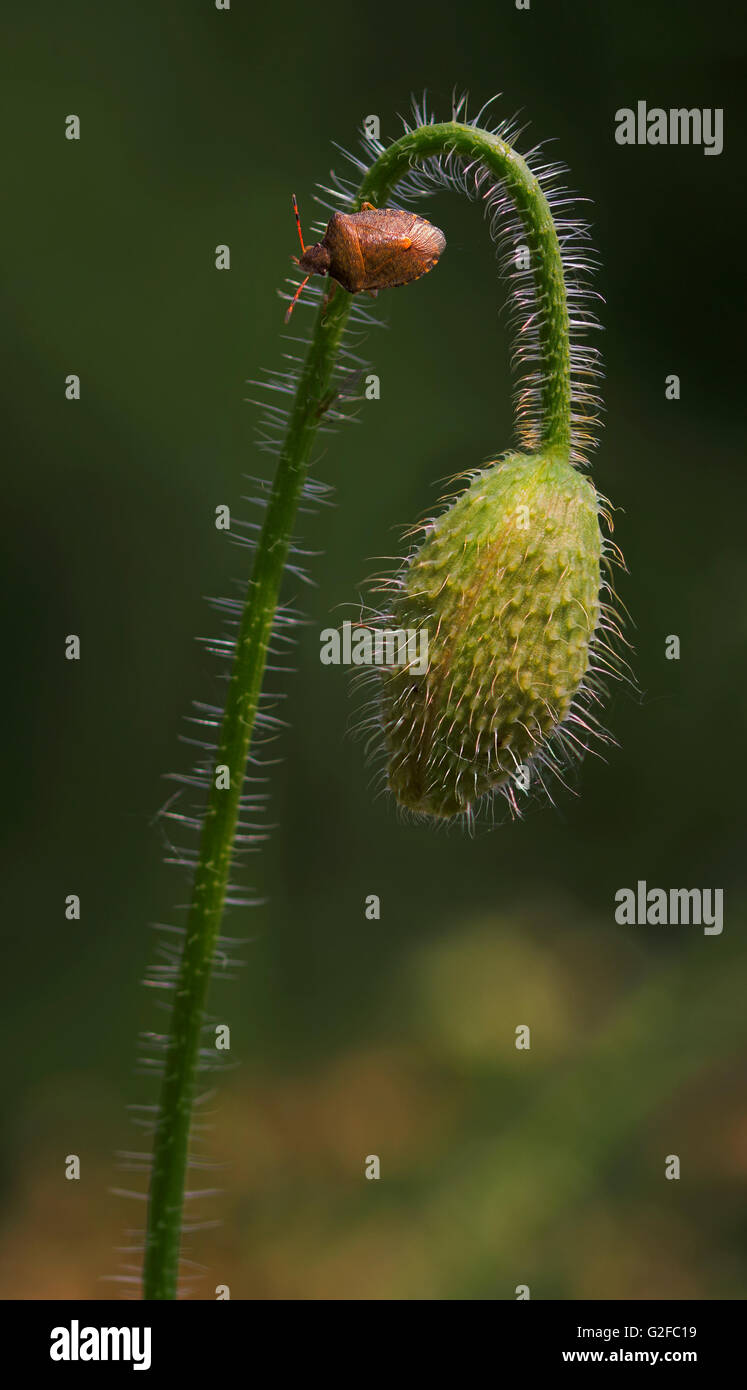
313, 395
507, 167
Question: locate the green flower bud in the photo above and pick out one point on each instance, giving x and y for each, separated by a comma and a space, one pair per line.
506, 583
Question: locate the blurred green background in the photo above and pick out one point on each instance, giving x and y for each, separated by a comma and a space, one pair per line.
353, 1037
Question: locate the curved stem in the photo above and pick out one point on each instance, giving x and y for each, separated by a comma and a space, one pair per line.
313, 397
508, 167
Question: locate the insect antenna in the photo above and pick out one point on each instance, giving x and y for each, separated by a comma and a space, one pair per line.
298, 224
292, 304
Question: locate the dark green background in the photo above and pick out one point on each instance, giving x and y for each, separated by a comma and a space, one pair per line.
395, 1037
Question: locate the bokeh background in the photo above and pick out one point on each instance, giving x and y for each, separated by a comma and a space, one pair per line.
353, 1037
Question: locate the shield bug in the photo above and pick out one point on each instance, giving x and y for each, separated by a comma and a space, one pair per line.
371, 250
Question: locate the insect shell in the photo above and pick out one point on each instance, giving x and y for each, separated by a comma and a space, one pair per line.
371, 250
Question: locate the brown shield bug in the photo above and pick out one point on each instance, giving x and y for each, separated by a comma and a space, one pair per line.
371, 250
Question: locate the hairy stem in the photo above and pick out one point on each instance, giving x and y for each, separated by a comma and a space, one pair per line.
313, 397
508, 167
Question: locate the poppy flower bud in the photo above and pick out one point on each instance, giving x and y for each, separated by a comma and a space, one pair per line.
506, 584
